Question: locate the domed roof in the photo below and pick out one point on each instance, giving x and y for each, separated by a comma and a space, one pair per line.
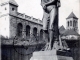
72, 15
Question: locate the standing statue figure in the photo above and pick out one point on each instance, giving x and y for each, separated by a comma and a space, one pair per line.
50, 20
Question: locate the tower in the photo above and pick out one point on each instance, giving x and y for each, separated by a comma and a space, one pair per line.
7, 15
72, 22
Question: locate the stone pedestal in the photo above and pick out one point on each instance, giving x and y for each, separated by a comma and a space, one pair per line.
51, 55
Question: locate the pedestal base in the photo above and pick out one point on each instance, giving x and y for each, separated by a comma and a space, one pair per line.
51, 55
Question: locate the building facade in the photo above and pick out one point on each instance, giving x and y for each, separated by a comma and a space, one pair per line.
14, 23
71, 35
20, 33
71, 31
72, 22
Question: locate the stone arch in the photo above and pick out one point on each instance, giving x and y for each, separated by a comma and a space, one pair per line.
19, 29
41, 34
35, 31
28, 30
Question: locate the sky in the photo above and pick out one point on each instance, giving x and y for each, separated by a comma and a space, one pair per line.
33, 8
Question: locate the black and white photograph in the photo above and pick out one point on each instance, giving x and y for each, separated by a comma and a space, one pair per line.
39, 30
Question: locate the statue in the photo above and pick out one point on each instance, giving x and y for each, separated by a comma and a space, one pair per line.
55, 47
50, 21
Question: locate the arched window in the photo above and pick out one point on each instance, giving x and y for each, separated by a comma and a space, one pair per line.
35, 32
74, 23
28, 30
70, 23
41, 34
19, 29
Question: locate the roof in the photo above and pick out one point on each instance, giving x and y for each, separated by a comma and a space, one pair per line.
72, 15
70, 32
61, 29
9, 1
13, 2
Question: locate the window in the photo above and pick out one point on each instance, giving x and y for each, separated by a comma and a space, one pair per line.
28, 30
70, 23
13, 9
35, 32
41, 34
74, 23
19, 29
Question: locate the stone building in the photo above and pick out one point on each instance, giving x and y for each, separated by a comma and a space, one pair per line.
26, 32
71, 31
71, 35
17, 24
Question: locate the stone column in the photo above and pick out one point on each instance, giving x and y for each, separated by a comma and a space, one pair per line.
24, 31
31, 32
38, 33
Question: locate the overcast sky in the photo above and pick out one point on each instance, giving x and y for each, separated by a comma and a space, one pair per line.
33, 8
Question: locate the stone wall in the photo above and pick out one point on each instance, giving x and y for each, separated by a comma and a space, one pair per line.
10, 52
29, 21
